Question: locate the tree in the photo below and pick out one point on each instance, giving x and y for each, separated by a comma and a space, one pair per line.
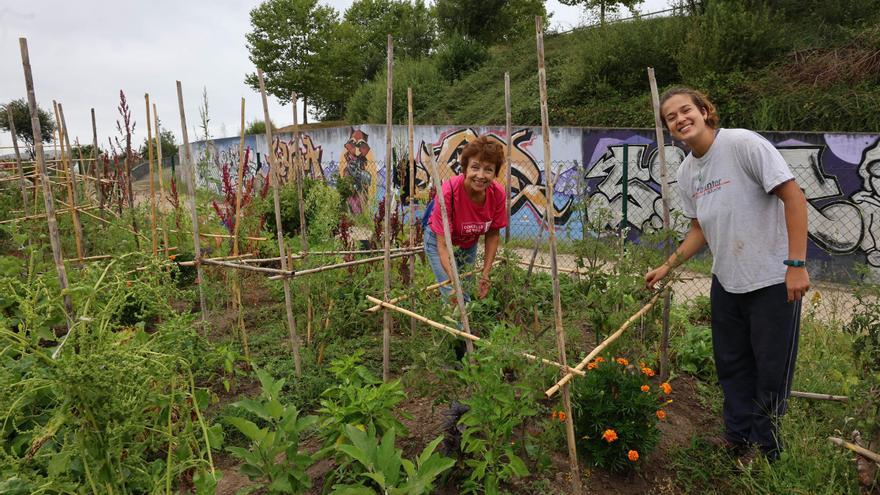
490, 22
21, 117
168, 143
287, 42
605, 7
257, 127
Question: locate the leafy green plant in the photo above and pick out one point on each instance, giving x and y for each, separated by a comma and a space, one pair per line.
693, 351
274, 458
360, 398
503, 395
382, 462
616, 412
322, 208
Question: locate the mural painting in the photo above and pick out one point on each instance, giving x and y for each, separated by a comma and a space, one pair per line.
839, 173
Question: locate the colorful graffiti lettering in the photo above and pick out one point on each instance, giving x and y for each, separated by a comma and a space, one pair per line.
358, 163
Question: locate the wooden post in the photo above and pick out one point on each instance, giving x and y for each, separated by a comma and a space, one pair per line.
22, 182
236, 281
194, 215
664, 192
155, 236
447, 237
48, 199
273, 170
412, 192
549, 213
161, 173
299, 175
508, 128
98, 170
389, 157
71, 180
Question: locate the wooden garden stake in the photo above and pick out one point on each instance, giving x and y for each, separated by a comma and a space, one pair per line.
98, 170
447, 237
71, 180
549, 212
273, 168
48, 199
236, 281
299, 174
155, 236
412, 193
856, 448
22, 181
386, 315
161, 173
191, 184
664, 192
508, 128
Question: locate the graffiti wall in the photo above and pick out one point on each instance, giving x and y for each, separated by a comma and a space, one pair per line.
840, 175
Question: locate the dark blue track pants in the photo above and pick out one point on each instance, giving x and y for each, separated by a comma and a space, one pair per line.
755, 339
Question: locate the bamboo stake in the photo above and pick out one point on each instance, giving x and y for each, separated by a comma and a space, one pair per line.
91, 258
508, 128
309, 271
273, 168
161, 173
409, 251
83, 175
249, 268
373, 309
450, 249
71, 179
664, 194
219, 236
48, 199
468, 337
155, 236
43, 215
605, 343
549, 213
299, 174
856, 448
85, 209
23, 181
811, 395
236, 281
386, 315
194, 214
221, 258
97, 171
412, 192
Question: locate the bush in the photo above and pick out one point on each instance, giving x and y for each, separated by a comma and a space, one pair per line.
322, 211
615, 413
458, 56
693, 351
731, 36
368, 103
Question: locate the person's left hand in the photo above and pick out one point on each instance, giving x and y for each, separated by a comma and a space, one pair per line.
797, 281
485, 283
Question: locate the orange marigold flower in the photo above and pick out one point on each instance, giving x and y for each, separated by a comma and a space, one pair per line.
554, 414
592, 365
622, 361
667, 388
609, 435
561, 415
661, 414
648, 371
645, 388
633, 455
600, 359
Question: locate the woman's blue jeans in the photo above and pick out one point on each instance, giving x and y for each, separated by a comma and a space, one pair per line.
462, 257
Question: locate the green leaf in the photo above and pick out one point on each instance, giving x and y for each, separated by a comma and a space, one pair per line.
356, 454
255, 407
517, 465
248, 428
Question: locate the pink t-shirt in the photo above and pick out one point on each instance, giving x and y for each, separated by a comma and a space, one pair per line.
469, 220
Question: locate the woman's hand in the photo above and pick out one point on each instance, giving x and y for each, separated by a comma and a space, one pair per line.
655, 275
797, 281
483, 290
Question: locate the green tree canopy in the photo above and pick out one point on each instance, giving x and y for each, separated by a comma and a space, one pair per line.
604, 7
169, 146
21, 117
490, 22
287, 42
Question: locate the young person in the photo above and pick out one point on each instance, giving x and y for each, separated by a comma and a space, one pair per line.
744, 203
475, 205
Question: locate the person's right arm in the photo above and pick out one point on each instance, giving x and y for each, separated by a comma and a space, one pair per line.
693, 241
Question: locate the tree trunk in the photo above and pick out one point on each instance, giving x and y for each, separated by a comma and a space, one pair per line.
305, 110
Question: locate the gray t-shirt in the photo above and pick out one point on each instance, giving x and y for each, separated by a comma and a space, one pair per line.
728, 190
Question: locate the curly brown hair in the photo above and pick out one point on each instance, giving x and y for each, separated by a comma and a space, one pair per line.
698, 98
484, 150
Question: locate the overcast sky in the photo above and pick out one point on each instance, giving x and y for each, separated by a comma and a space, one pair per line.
83, 52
